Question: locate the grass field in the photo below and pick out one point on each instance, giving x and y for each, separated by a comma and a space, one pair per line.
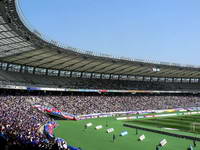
91, 139
182, 123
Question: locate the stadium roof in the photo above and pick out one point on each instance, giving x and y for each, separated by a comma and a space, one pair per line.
21, 44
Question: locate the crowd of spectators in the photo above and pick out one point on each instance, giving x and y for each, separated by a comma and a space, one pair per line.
97, 104
21, 124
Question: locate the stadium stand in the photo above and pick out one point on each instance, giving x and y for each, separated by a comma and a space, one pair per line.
27, 79
29, 59
81, 105
22, 47
20, 123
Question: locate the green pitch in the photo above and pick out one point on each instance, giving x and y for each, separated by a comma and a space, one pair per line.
91, 139
190, 124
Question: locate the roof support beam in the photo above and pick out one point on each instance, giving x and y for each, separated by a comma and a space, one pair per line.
141, 73
51, 61
133, 71
79, 67
60, 64
14, 49
110, 68
6, 31
128, 70
117, 71
10, 44
3, 24
169, 73
162, 72
57, 62
124, 66
5, 38
36, 60
25, 57
195, 75
93, 67
101, 68
65, 68
186, 75
177, 74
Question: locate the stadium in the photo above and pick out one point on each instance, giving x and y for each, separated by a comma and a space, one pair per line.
60, 97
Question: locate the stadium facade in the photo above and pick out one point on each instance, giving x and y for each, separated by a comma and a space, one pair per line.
27, 58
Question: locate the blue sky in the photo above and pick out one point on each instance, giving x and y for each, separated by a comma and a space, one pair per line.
161, 30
